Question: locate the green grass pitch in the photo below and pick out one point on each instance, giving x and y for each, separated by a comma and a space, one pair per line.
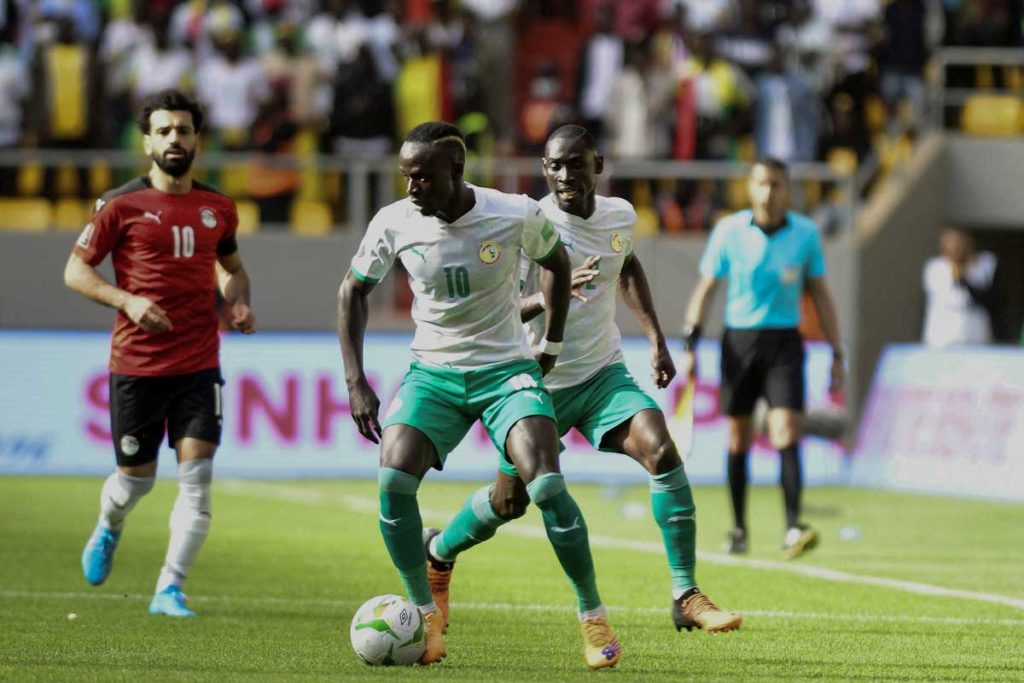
903, 587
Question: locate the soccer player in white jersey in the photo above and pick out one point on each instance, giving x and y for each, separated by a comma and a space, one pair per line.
591, 388
461, 247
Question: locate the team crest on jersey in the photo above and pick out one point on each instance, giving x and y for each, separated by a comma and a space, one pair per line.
208, 217
790, 275
129, 445
618, 244
490, 251
86, 236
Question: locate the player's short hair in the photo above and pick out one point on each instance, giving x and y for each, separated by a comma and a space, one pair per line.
170, 100
572, 131
774, 163
439, 133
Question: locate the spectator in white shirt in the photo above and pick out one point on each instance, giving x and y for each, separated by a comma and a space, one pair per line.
958, 287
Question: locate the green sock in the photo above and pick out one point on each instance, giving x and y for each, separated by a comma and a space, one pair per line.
568, 535
675, 513
473, 524
402, 529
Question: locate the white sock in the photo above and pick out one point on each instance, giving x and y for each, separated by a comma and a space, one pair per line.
594, 614
119, 495
433, 550
190, 521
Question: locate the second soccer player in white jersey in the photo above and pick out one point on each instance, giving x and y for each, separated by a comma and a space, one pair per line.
461, 247
591, 387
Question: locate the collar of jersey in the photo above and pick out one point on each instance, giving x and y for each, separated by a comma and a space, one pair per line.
787, 224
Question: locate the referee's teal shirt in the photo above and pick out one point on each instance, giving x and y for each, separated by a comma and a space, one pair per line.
766, 274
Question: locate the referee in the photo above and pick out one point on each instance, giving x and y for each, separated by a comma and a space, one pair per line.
769, 256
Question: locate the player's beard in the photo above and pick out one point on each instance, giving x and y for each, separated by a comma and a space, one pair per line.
174, 167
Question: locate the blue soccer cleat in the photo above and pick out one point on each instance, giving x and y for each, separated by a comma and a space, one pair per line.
170, 601
98, 556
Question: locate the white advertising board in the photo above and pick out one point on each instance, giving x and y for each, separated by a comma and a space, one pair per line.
286, 412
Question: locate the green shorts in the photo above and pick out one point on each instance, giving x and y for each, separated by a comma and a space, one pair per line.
598, 406
444, 403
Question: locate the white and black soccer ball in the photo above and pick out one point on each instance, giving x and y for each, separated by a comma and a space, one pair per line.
388, 630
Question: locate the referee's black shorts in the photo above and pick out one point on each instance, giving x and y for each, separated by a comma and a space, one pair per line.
756, 363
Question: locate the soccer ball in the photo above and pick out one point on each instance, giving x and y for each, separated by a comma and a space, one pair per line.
388, 630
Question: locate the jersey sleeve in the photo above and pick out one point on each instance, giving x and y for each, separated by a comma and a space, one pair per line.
228, 243
539, 237
100, 235
376, 253
715, 262
815, 255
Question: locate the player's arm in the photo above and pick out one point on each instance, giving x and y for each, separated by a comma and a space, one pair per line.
825, 307
233, 281
82, 277
353, 313
636, 292
532, 305
692, 321
555, 285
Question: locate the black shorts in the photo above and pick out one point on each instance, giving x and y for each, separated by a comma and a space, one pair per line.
142, 409
756, 363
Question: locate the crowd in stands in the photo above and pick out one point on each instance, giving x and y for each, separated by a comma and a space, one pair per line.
654, 79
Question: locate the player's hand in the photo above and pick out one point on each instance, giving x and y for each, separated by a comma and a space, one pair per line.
688, 367
365, 406
582, 276
837, 376
661, 363
546, 362
242, 318
147, 315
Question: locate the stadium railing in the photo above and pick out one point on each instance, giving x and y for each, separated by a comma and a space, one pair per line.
994, 105
371, 183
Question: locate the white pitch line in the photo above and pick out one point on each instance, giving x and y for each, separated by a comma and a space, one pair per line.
480, 606
367, 504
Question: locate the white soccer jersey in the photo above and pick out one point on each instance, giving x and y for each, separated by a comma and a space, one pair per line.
592, 339
463, 274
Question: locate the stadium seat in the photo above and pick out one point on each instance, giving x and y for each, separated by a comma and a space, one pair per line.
248, 217
30, 180
101, 178
70, 214
311, 219
842, 160
995, 115
30, 215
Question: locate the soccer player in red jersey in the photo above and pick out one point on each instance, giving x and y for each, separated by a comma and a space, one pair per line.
172, 244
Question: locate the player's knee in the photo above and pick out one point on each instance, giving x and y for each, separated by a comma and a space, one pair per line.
660, 456
509, 498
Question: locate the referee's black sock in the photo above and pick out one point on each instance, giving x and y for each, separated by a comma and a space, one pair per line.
738, 487
792, 483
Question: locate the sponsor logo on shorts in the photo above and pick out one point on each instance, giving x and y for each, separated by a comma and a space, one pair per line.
129, 445
490, 251
208, 217
86, 236
617, 242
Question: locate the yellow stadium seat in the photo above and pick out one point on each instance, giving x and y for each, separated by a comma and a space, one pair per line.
70, 214
30, 180
67, 181
31, 215
311, 219
842, 160
248, 217
999, 115
101, 178
736, 196
875, 114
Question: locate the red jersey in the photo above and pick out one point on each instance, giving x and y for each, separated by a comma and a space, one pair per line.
163, 246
